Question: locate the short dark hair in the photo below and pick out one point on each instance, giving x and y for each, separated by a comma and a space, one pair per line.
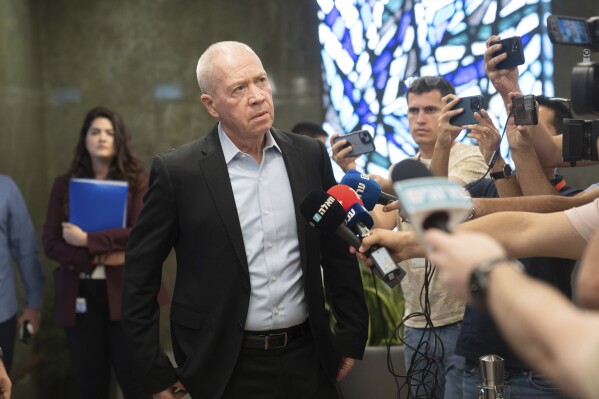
427, 84
309, 129
560, 111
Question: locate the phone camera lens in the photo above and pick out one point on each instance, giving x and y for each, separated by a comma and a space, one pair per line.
365, 137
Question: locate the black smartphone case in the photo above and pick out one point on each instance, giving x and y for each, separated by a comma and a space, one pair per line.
515, 52
467, 117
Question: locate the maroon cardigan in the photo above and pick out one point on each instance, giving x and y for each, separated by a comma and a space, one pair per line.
75, 260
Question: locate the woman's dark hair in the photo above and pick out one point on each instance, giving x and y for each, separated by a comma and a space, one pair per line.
124, 166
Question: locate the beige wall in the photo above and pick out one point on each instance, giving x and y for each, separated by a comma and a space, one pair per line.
59, 58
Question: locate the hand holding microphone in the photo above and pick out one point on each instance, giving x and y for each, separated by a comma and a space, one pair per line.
429, 201
359, 221
324, 212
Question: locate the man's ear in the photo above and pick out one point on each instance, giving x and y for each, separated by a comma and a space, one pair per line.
208, 102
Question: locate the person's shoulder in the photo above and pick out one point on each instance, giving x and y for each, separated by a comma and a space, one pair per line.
297, 140
182, 150
6, 180
62, 179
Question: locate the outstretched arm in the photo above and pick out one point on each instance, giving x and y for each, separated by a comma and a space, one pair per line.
539, 323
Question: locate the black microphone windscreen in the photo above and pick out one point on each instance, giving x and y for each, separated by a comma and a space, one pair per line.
323, 211
409, 169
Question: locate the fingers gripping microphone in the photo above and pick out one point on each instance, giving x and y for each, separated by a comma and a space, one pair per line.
359, 221
325, 213
368, 189
429, 201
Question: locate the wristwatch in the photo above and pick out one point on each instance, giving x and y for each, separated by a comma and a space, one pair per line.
479, 279
502, 174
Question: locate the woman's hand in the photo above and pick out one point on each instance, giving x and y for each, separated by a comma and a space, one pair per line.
73, 235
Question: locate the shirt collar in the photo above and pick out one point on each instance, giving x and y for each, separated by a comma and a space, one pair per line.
230, 150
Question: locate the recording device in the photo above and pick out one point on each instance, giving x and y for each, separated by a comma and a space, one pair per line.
580, 140
368, 189
359, 221
573, 31
361, 142
25, 332
515, 52
492, 385
326, 214
584, 33
429, 201
524, 109
344, 196
470, 105
580, 135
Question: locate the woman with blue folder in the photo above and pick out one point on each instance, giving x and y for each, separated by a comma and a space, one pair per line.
87, 284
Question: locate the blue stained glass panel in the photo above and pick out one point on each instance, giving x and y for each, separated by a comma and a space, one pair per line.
394, 40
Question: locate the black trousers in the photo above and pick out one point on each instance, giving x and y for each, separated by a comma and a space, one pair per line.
96, 343
8, 333
293, 372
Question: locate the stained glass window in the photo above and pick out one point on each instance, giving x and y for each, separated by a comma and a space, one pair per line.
370, 48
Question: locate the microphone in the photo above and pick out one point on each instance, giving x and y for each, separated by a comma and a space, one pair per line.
325, 213
368, 189
409, 169
345, 195
359, 221
429, 201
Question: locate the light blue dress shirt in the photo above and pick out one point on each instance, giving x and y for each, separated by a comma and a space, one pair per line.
267, 217
18, 243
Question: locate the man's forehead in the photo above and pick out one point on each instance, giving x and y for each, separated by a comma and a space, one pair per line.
429, 98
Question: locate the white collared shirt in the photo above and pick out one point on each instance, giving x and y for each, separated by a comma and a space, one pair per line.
267, 217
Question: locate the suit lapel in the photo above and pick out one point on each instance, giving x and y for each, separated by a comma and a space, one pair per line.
213, 166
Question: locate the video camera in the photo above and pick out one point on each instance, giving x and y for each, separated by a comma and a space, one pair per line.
580, 136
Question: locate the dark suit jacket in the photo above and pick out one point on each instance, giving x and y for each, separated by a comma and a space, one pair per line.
190, 206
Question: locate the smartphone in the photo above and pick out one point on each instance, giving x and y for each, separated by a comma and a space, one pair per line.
524, 109
25, 333
361, 142
569, 30
515, 52
470, 105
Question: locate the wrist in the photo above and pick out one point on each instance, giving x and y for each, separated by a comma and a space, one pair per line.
442, 143
481, 275
501, 171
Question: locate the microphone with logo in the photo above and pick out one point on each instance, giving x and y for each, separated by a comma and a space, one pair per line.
325, 213
367, 188
429, 201
359, 221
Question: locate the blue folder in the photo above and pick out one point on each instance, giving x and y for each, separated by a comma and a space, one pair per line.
96, 205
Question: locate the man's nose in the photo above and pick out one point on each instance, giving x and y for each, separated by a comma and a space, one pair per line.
256, 95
